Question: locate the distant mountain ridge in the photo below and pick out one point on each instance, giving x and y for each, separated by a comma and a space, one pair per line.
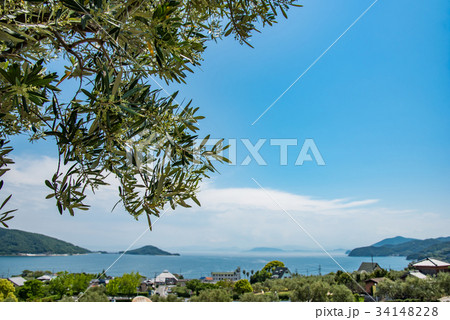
412, 249
150, 250
16, 242
393, 241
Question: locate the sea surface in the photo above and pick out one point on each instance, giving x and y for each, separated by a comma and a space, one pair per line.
193, 265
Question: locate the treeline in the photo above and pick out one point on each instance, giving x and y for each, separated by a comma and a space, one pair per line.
332, 287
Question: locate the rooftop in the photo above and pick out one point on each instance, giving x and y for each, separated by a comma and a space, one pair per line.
429, 262
17, 281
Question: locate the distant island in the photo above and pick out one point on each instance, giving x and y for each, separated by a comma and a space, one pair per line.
17, 242
265, 249
412, 249
151, 251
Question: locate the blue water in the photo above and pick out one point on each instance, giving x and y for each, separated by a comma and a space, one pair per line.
190, 265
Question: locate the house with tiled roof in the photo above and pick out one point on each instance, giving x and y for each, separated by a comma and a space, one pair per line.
368, 267
281, 273
371, 285
431, 266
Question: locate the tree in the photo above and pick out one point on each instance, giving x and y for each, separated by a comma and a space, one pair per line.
313, 292
127, 284
10, 298
266, 272
6, 288
260, 276
272, 265
411, 289
251, 297
61, 285
340, 293
31, 290
95, 294
443, 282
212, 295
242, 286
116, 123
344, 278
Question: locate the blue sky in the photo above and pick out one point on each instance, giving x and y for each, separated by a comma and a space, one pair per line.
376, 105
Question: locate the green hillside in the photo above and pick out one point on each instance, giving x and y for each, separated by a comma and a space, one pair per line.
151, 250
14, 242
392, 241
438, 248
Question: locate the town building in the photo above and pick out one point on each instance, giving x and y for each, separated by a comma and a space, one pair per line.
46, 278
414, 273
371, 285
368, 267
166, 278
206, 279
17, 281
231, 276
431, 266
281, 273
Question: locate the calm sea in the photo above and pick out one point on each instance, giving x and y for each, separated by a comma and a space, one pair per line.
190, 265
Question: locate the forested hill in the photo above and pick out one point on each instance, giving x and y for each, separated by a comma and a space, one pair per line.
392, 241
14, 242
151, 250
438, 248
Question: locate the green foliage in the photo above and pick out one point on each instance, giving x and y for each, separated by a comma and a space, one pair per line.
379, 273
9, 298
260, 276
67, 299
94, 294
413, 250
284, 296
112, 51
394, 274
125, 285
314, 292
212, 295
242, 286
34, 274
6, 288
181, 292
225, 284
411, 288
4, 161
272, 265
259, 287
32, 290
340, 293
196, 286
251, 297
70, 283
266, 272
343, 278
169, 298
443, 282
16, 241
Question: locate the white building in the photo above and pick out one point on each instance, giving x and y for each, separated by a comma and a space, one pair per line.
166, 278
231, 276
